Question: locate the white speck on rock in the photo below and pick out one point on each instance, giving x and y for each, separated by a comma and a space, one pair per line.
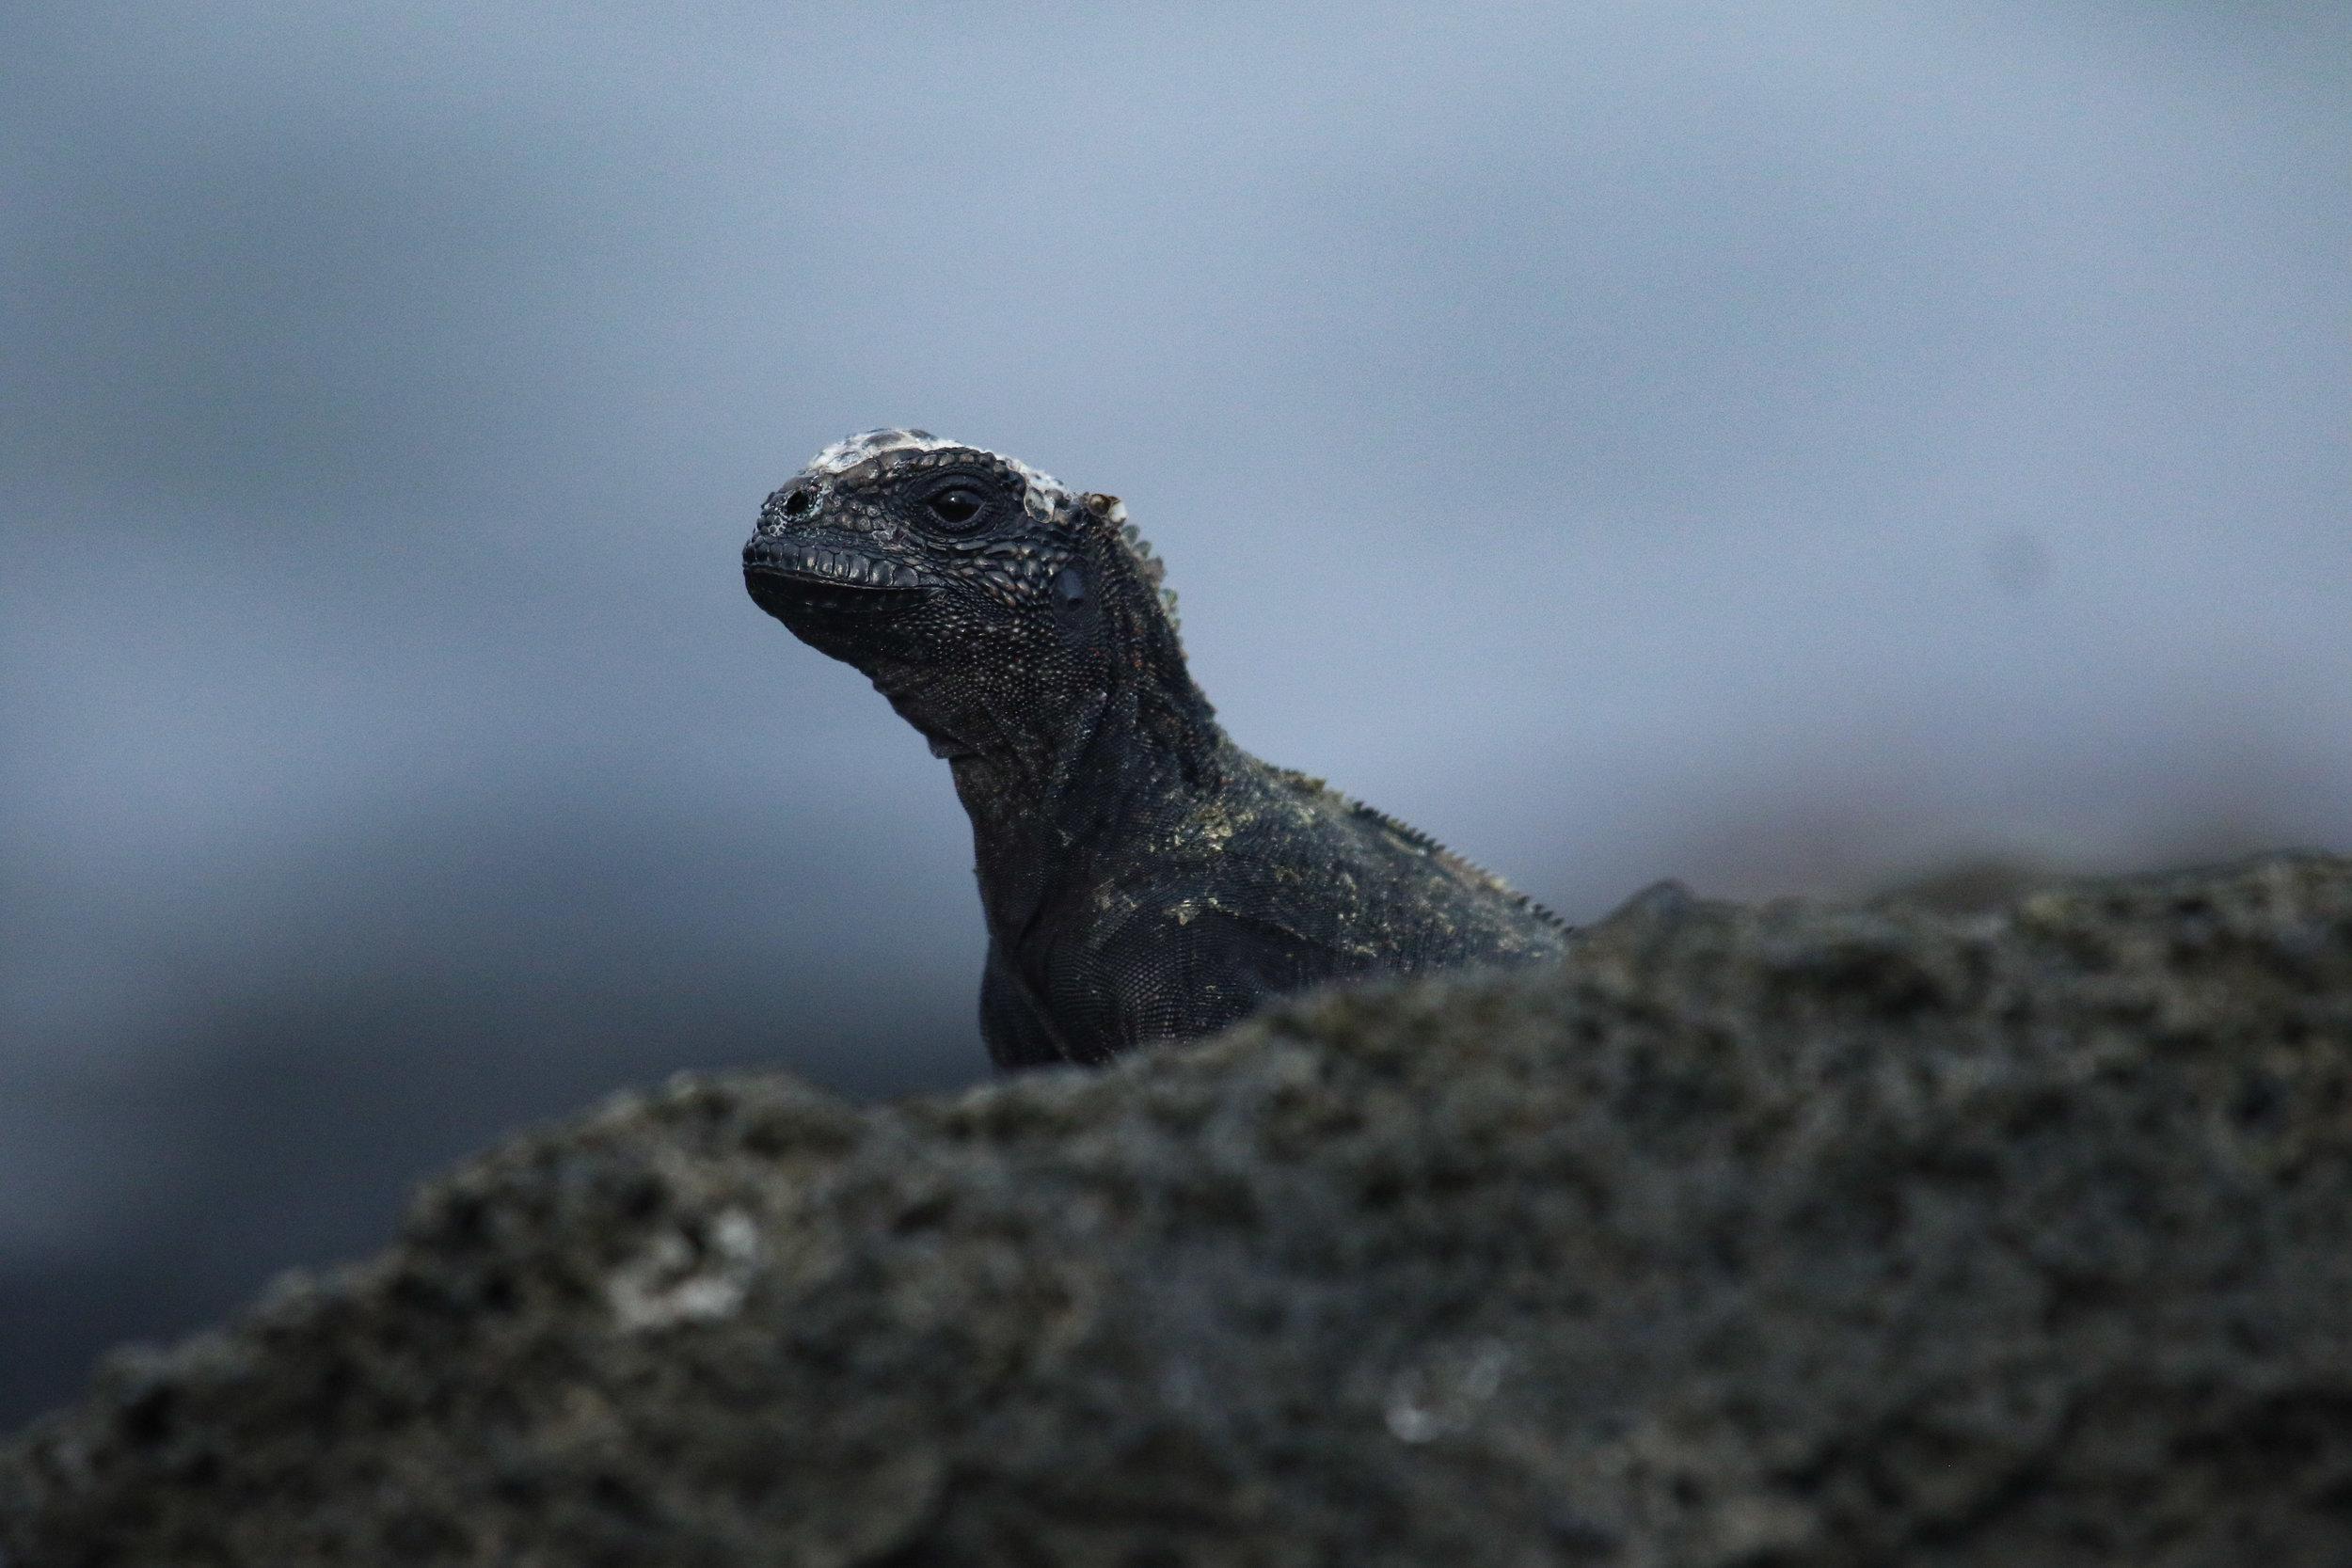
1443, 1392
678, 1279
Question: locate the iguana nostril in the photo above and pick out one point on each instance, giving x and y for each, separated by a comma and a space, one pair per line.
797, 503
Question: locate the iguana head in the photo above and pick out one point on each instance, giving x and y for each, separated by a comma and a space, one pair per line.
981, 596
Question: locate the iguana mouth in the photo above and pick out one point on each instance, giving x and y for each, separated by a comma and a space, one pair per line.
786, 577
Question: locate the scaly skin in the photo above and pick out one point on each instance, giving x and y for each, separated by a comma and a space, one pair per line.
1144, 879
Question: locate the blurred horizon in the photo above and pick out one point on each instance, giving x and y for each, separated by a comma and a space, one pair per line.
1796, 448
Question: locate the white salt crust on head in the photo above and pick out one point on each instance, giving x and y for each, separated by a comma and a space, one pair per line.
1045, 491
1042, 491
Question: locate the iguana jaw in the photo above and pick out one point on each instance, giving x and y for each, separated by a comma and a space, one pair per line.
803, 579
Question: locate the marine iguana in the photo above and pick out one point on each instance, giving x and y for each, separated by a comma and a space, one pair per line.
1143, 878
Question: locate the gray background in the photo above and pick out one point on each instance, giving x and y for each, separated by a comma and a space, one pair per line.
1790, 447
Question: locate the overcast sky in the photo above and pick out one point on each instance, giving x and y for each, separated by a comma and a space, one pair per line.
1783, 446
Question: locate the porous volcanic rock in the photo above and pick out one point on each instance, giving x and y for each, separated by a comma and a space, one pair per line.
1780, 1236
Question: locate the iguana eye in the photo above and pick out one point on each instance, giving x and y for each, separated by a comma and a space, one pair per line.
956, 506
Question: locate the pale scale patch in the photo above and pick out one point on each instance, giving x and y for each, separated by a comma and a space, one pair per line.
1044, 491
1042, 494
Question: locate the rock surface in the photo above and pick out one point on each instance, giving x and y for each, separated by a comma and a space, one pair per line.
1759, 1237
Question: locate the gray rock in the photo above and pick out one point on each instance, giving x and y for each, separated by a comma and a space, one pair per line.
1781, 1236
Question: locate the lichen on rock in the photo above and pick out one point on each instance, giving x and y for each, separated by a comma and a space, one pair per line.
1774, 1236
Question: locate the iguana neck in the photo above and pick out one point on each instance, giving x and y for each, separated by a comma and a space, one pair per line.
1072, 734
1059, 783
